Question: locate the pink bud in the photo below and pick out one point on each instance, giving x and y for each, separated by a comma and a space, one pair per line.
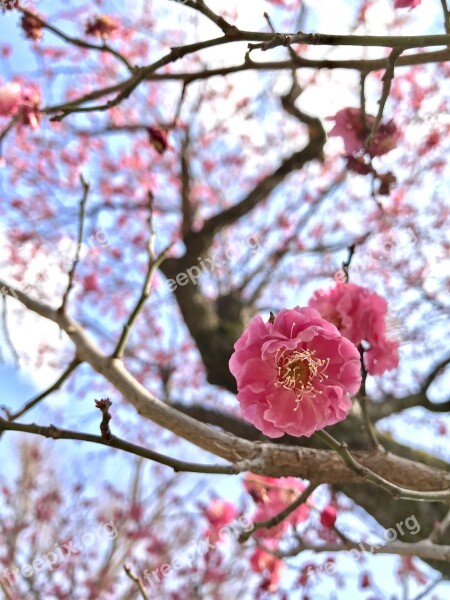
328, 516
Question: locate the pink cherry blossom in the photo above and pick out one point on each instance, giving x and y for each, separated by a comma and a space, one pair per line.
360, 315
406, 3
294, 374
10, 97
348, 125
268, 564
328, 516
272, 496
219, 514
21, 100
91, 283
101, 26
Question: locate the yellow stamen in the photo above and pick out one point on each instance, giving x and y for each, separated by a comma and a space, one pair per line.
297, 371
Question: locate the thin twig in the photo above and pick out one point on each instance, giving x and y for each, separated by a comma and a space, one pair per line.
235, 35
362, 99
179, 105
77, 42
438, 532
29, 405
363, 402
177, 465
446, 12
6, 331
104, 405
346, 264
153, 265
84, 198
396, 491
441, 365
387, 81
137, 580
269, 22
425, 593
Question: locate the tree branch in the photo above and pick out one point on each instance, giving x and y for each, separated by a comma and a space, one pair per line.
277, 519
53, 388
154, 262
387, 81
72, 271
112, 441
422, 549
202, 239
77, 42
137, 580
405, 478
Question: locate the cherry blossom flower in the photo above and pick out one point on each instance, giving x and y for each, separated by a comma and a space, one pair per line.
406, 3
32, 27
328, 516
219, 513
348, 125
101, 26
272, 496
294, 373
90, 283
21, 100
269, 565
10, 97
360, 315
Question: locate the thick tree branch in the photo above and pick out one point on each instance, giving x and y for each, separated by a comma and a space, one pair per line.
268, 459
365, 66
423, 549
324, 39
201, 240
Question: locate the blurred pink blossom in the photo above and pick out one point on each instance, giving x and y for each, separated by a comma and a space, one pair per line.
406, 3
349, 126
360, 315
272, 496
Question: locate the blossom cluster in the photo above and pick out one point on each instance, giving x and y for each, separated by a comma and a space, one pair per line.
360, 315
296, 372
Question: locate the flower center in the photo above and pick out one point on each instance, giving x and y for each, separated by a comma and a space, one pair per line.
297, 371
